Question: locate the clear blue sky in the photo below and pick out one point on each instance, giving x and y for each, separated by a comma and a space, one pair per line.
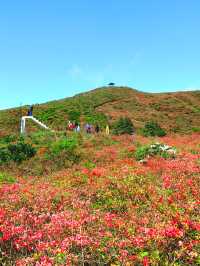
53, 49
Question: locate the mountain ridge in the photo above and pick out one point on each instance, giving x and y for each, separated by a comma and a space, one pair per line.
175, 111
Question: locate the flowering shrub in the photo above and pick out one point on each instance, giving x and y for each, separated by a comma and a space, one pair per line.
163, 150
117, 212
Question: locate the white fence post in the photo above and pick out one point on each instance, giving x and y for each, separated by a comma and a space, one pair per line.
23, 125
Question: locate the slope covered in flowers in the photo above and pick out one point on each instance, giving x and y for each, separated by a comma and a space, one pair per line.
109, 210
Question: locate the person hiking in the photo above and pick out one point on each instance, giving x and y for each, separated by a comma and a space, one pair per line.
78, 129
75, 126
70, 126
87, 128
107, 130
30, 111
91, 129
97, 129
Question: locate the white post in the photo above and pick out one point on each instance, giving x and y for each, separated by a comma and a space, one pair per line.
23, 125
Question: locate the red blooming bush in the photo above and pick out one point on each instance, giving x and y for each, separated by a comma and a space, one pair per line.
117, 212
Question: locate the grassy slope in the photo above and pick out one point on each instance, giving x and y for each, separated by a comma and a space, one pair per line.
178, 111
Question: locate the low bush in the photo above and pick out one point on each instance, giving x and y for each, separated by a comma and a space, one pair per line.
63, 144
123, 126
162, 150
17, 152
5, 178
152, 128
21, 151
141, 153
7, 139
65, 149
5, 155
195, 129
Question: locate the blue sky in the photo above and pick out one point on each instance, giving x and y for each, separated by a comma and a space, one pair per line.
53, 49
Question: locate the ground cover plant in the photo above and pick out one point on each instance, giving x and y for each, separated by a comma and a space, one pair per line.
154, 149
107, 210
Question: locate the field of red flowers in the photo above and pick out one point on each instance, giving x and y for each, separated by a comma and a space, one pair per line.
109, 210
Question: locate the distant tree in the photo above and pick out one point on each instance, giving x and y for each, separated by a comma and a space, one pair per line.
111, 84
123, 126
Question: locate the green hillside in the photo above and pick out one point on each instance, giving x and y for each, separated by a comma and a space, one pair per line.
177, 112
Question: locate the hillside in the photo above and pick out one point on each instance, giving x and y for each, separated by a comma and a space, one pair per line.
176, 112
109, 209
97, 199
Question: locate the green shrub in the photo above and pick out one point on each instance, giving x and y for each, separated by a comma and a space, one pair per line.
4, 178
155, 149
5, 155
16, 152
195, 129
21, 151
8, 139
123, 126
141, 153
64, 149
41, 138
152, 128
67, 144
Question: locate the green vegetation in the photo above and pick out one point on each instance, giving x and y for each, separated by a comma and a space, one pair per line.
196, 129
162, 150
7, 139
177, 111
74, 115
5, 178
64, 149
54, 152
152, 128
16, 152
96, 118
123, 126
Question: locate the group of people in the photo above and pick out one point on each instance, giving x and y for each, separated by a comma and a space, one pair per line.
88, 128
74, 126
91, 129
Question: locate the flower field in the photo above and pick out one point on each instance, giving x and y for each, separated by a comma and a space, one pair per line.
108, 210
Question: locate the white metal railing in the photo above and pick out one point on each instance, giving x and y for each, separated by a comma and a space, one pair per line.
23, 123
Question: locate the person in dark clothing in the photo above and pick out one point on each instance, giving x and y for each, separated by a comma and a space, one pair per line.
89, 129
30, 111
97, 129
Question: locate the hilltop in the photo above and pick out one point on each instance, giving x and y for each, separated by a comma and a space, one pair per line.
176, 112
